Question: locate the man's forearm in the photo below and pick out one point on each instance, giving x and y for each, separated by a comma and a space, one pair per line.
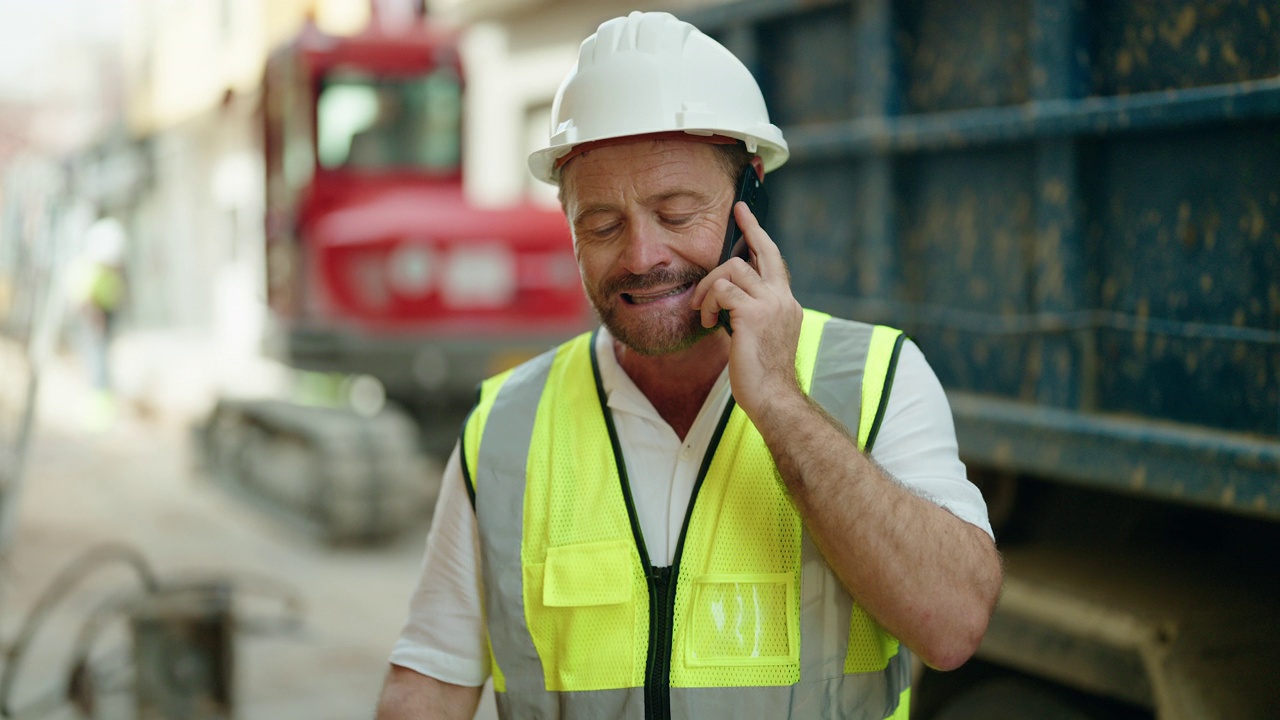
409, 695
926, 576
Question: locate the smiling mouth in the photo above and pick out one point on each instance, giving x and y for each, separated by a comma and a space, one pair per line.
642, 299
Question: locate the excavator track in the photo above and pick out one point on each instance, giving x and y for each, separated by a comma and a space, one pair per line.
348, 478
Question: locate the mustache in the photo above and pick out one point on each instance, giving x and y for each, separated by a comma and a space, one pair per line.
657, 278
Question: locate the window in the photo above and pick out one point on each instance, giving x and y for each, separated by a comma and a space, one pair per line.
380, 123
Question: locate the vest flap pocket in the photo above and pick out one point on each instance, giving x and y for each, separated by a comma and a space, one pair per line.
587, 574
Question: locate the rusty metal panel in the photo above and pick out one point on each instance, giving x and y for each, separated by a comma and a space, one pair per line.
1072, 205
970, 215
823, 206
789, 50
1186, 234
1150, 45
965, 54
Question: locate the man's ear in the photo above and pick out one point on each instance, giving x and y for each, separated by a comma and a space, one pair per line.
758, 164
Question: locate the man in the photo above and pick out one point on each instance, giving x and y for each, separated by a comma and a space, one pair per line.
98, 294
671, 520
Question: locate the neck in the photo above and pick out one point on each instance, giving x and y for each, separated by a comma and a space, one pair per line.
677, 384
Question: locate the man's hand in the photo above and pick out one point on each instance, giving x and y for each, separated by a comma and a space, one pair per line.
766, 318
926, 576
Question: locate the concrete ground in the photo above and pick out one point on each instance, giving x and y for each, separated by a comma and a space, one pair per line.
134, 481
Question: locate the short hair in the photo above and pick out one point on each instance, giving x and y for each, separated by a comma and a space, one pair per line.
734, 158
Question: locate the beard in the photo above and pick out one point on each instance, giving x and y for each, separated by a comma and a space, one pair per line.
656, 333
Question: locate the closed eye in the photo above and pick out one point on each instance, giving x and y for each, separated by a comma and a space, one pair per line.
604, 231
677, 220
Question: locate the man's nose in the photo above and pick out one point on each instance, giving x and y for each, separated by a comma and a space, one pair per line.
645, 249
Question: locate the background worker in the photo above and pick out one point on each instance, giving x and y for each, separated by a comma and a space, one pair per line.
665, 520
98, 293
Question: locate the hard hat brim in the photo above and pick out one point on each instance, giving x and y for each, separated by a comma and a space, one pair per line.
545, 164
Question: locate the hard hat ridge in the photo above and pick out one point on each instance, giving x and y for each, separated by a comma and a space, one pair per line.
648, 74
652, 33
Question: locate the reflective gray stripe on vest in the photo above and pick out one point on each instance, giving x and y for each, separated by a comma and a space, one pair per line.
837, 371
625, 704
846, 697
837, 374
837, 387
500, 486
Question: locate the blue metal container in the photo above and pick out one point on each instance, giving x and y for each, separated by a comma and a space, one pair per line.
1073, 207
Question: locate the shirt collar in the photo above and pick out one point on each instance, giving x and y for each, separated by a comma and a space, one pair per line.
621, 391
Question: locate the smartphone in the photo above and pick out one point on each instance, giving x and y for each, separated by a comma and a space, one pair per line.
751, 191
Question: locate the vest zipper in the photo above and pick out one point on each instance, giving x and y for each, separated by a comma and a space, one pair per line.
657, 673
662, 595
657, 676
661, 580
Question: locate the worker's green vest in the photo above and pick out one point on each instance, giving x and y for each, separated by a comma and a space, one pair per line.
748, 622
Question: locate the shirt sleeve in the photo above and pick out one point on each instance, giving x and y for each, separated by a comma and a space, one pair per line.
917, 446
444, 636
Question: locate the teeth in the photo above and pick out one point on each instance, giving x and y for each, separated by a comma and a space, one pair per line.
642, 299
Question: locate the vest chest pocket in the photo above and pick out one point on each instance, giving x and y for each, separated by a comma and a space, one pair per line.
744, 619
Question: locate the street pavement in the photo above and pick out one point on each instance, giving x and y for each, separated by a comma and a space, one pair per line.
132, 478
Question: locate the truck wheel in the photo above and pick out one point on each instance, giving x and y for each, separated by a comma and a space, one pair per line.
1010, 699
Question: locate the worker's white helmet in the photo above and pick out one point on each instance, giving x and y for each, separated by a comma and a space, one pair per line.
650, 73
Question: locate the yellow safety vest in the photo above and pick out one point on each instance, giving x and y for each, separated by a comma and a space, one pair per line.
749, 621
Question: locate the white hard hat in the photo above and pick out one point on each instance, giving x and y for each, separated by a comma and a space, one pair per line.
650, 73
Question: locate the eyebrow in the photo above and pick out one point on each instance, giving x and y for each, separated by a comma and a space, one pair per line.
674, 194
651, 200
592, 210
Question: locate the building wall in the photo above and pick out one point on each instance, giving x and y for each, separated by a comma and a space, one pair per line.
517, 52
192, 73
182, 58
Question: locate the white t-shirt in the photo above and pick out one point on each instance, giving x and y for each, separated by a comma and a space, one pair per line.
445, 637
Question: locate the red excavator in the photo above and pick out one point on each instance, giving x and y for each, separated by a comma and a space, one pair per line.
378, 266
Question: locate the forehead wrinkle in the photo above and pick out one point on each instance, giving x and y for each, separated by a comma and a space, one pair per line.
661, 197
656, 199
654, 163
593, 209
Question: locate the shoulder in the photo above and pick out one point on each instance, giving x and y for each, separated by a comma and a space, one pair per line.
915, 386
917, 444
535, 368
847, 326
879, 346
912, 360
522, 386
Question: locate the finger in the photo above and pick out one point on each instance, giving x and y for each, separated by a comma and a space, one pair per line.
737, 271
709, 306
724, 295
704, 286
768, 258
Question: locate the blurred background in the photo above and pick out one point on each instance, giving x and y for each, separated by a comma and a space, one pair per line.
226, 229
256, 254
